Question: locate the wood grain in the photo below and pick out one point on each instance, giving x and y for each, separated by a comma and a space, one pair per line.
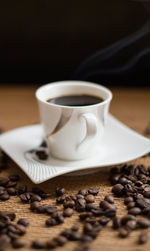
18, 108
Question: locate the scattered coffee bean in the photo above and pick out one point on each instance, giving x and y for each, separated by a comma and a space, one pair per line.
34, 205
61, 240
51, 244
143, 238
104, 220
51, 209
35, 197
75, 227
109, 199
18, 243
123, 232
127, 218
143, 223
131, 205
118, 190
128, 200
89, 198
38, 245
3, 181
42, 209
60, 199
4, 196
68, 212
23, 222
25, 197
116, 222
22, 189
83, 192
93, 191
135, 211
14, 177
69, 203
60, 191
131, 224
11, 191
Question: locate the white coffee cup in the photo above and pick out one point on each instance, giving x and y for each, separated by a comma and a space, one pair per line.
73, 132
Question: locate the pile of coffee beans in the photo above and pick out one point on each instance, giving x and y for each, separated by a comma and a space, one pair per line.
130, 182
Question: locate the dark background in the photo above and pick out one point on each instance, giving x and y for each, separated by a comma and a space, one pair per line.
45, 40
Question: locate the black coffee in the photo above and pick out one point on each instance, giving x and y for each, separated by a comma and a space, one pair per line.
76, 100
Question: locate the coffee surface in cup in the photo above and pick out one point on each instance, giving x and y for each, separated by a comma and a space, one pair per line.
76, 100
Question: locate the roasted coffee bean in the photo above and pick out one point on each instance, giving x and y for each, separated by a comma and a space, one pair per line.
51, 209
87, 227
138, 183
104, 220
97, 212
51, 244
42, 209
143, 238
131, 224
106, 205
60, 191
110, 212
143, 223
18, 243
141, 203
3, 181
74, 236
44, 195
7, 216
4, 196
91, 206
66, 233
80, 205
34, 205
11, 191
22, 189
86, 238
68, 212
116, 222
60, 199
11, 184
93, 191
38, 245
135, 211
80, 196
61, 240
14, 177
2, 190
69, 203
118, 190
146, 211
147, 194
4, 241
131, 205
128, 200
124, 181
89, 198
51, 222
41, 154
25, 197
83, 192
109, 199
59, 217
83, 216
35, 197
123, 232
21, 230
23, 222
127, 218
115, 179
75, 227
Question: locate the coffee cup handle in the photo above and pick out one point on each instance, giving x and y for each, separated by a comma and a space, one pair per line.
91, 130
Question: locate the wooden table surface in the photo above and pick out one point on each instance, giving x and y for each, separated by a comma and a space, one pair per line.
18, 107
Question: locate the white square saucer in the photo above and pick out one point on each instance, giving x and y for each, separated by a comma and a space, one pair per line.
120, 144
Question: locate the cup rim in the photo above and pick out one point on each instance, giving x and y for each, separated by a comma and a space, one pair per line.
79, 83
